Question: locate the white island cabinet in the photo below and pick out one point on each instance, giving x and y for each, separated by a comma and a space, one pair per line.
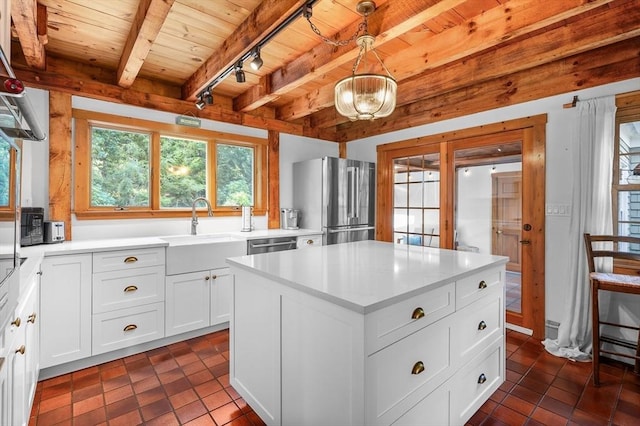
367, 333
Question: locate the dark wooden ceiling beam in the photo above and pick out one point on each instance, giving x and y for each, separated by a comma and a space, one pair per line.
112, 93
24, 15
389, 21
606, 25
513, 19
267, 16
605, 65
145, 28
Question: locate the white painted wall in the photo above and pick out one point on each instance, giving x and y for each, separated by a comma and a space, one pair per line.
294, 148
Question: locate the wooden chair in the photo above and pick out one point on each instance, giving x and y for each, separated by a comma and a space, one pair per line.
622, 283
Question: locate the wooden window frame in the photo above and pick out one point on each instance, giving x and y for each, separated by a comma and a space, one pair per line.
83, 122
8, 212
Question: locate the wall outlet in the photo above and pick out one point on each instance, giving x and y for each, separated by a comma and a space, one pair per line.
558, 209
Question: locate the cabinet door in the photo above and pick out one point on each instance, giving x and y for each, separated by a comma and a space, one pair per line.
4, 393
16, 362
65, 309
187, 302
31, 319
221, 294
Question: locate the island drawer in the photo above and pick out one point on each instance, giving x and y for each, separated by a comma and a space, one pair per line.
476, 286
390, 324
124, 289
127, 327
128, 259
309, 241
405, 372
477, 326
476, 381
430, 411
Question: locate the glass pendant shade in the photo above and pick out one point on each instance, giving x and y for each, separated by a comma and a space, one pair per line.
366, 96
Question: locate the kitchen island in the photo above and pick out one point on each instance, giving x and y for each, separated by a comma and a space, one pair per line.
367, 333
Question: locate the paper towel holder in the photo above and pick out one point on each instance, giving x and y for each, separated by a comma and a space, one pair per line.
247, 213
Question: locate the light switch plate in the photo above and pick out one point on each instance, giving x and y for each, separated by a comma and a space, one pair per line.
558, 210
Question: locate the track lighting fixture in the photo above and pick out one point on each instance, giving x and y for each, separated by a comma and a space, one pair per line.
200, 104
207, 97
240, 78
257, 62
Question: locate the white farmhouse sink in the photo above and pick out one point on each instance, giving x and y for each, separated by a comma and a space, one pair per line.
190, 253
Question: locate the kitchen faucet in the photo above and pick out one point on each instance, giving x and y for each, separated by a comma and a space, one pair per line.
194, 217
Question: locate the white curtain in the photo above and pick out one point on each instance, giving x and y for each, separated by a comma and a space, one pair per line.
592, 145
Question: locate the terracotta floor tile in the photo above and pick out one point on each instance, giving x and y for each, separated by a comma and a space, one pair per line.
170, 376
88, 404
193, 367
191, 411
168, 419
183, 398
240, 421
556, 406
216, 400
519, 405
115, 382
584, 418
156, 409
143, 373
177, 386
55, 416
55, 402
86, 392
165, 366
205, 420
92, 418
146, 384
152, 395
526, 394
55, 390
562, 395
200, 377
129, 419
121, 407
118, 394
208, 388
226, 413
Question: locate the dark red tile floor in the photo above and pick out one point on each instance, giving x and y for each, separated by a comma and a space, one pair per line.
188, 383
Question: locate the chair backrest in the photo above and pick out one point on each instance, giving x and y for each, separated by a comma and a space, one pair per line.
613, 250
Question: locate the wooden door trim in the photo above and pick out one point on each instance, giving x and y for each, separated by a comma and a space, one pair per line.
532, 131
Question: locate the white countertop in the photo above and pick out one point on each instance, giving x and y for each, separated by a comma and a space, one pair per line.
367, 275
87, 246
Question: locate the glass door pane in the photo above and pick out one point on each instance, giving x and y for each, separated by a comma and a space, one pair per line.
488, 208
416, 200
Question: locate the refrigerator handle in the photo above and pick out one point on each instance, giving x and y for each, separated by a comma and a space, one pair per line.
353, 202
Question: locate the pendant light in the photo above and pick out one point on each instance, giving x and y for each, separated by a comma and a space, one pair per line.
366, 96
363, 96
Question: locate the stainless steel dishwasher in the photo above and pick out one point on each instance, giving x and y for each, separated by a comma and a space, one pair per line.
268, 245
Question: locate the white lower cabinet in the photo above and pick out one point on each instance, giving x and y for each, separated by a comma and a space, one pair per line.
298, 359
66, 309
196, 300
19, 375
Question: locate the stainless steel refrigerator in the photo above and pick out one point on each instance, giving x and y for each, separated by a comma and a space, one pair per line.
337, 196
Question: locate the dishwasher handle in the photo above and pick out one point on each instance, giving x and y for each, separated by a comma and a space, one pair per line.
283, 243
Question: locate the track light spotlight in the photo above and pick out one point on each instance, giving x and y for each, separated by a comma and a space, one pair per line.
240, 78
207, 97
257, 62
200, 104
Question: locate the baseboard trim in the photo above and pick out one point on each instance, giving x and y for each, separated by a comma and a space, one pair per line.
519, 329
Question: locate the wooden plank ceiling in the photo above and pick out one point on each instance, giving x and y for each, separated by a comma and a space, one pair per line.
450, 57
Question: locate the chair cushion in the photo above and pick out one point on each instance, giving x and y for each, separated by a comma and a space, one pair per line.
627, 283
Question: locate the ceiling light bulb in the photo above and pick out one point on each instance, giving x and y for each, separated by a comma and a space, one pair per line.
200, 104
207, 97
256, 64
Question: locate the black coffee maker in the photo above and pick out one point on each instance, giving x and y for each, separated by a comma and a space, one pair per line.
31, 226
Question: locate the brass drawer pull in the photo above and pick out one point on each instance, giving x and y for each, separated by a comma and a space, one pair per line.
482, 325
21, 350
418, 368
214, 277
207, 278
482, 285
131, 259
130, 327
417, 313
309, 242
32, 318
16, 322
482, 379
130, 288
